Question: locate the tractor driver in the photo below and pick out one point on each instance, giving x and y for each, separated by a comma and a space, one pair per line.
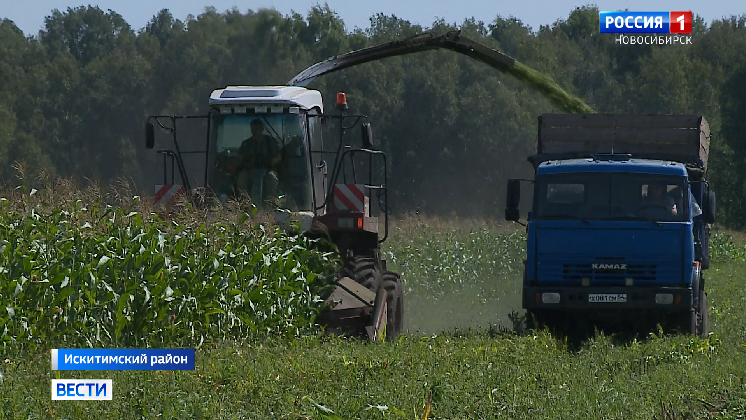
259, 154
657, 197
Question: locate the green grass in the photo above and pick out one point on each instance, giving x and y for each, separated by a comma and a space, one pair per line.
477, 376
457, 274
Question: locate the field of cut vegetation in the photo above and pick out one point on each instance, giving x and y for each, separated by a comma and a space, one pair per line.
77, 272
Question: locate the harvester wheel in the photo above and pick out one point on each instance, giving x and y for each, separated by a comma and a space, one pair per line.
319, 233
364, 271
394, 304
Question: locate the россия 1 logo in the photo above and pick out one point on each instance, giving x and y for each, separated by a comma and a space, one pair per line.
645, 22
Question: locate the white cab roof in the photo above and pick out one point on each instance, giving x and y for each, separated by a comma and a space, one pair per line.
261, 95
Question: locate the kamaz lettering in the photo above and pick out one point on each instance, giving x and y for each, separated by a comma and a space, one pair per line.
609, 266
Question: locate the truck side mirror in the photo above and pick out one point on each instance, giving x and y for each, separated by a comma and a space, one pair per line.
367, 134
512, 201
709, 210
149, 135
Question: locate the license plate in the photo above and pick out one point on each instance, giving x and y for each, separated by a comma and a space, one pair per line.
607, 298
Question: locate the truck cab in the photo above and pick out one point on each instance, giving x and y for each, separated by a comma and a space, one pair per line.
615, 237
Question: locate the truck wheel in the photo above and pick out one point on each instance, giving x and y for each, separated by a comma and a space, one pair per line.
364, 271
534, 320
687, 322
703, 316
691, 322
394, 304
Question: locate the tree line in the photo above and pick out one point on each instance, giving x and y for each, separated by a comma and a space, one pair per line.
75, 96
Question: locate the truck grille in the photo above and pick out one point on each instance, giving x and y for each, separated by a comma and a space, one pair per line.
576, 272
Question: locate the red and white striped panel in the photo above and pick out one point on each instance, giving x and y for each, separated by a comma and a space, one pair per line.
167, 194
350, 197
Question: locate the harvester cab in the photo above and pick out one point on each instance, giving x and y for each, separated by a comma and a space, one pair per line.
264, 143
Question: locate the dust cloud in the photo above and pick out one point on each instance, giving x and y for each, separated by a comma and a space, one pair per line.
479, 305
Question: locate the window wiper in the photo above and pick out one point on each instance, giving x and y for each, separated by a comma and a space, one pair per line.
561, 217
271, 128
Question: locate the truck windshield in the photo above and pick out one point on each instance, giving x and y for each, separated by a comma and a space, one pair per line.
611, 196
262, 155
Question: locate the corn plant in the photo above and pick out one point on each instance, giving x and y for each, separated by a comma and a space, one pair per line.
98, 275
435, 262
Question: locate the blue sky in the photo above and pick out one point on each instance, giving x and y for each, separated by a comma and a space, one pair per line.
29, 15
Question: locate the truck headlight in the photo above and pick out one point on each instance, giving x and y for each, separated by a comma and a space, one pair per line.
663, 298
550, 297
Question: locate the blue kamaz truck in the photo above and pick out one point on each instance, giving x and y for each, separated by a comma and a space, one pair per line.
619, 223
